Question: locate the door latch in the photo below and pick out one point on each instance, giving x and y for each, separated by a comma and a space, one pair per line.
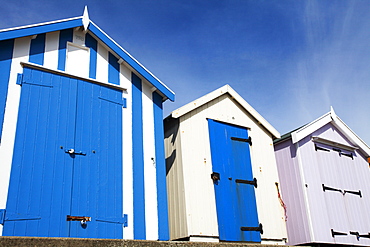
72, 151
82, 219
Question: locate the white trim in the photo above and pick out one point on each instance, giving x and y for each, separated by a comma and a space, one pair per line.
39, 24
217, 93
150, 182
310, 128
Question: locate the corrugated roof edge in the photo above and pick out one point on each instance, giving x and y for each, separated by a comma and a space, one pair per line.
29, 30
217, 93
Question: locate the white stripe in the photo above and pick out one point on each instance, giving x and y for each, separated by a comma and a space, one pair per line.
151, 204
102, 64
20, 53
128, 201
51, 50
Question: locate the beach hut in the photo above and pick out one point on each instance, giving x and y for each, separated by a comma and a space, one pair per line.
324, 173
221, 172
81, 150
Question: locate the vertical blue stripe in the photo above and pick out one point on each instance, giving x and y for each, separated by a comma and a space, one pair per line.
93, 45
163, 230
37, 49
138, 158
6, 54
64, 36
113, 71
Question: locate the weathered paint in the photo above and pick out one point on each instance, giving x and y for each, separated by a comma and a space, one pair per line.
189, 165
310, 165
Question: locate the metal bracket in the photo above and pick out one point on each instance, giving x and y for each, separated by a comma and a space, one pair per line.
259, 228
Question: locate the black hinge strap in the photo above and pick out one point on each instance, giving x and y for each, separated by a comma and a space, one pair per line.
353, 192
259, 228
341, 153
252, 182
332, 189
358, 235
334, 233
320, 148
249, 140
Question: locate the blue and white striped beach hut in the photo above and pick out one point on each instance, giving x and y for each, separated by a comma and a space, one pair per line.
75, 109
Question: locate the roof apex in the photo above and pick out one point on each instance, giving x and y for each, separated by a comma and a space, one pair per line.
217, 93
318, 123
89, 26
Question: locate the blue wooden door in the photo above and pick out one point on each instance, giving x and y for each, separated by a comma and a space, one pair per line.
234, 183
63, 168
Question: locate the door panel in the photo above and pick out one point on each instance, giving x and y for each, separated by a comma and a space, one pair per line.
44, 124
235, 196
58, 114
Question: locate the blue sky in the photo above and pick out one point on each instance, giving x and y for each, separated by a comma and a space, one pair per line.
291, 60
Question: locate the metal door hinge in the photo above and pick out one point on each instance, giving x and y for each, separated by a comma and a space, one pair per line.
334, 233
2, 216
354, 192
121, 220
252, 182
325, 188
259, 228
249, 140
19, 79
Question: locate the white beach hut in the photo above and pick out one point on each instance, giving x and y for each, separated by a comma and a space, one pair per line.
221, 172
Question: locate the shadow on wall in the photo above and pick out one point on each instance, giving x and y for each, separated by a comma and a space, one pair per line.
171, 127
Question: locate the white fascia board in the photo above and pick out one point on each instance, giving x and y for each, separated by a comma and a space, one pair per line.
355, 139
217, 93
310, 128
